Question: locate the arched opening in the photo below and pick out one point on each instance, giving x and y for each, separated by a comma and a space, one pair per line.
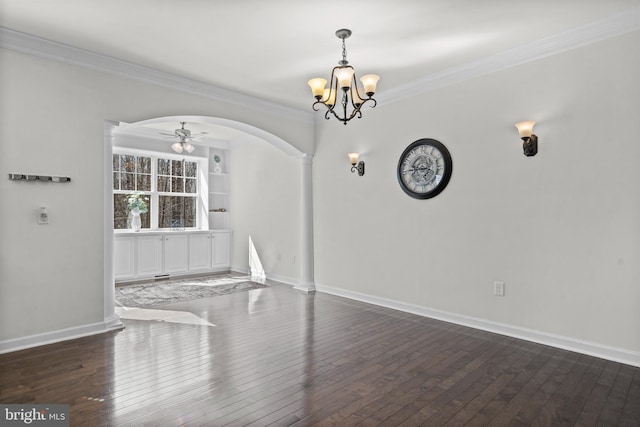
228, 136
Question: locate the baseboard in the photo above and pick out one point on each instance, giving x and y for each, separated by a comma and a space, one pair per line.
273, 277
283, 279
566, 343
36, 340
184, 275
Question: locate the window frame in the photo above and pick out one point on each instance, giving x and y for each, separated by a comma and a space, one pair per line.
200, 195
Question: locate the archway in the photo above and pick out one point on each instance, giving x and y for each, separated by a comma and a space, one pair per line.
240, 132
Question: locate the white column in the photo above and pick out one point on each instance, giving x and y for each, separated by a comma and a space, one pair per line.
306, 225
111, 320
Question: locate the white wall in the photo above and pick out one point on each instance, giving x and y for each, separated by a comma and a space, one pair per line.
561, 229
265, 205
52, 123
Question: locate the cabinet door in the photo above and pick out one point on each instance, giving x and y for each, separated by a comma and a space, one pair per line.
175, 253
149, 255
220, 250
123, 258
199, 252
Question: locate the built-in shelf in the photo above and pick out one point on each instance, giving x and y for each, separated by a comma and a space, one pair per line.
218, 192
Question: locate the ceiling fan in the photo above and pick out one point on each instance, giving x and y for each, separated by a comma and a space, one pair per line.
184, 137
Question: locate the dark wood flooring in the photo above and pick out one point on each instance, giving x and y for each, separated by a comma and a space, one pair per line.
281, 357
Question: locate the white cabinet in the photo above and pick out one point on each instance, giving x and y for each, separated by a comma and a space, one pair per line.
149, 255
143, 256
199, 251
220, 249
124, 258
175, 253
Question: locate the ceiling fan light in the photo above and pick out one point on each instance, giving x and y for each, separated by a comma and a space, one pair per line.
188, 147
177, 147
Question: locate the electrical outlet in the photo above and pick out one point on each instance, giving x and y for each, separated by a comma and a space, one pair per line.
498, 289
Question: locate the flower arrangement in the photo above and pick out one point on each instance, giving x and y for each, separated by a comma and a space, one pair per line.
216, 158
137, 200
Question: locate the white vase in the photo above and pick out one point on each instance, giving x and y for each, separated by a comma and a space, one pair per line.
217, 168
135, 223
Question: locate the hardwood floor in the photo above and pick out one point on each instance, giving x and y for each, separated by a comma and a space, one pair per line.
280, 357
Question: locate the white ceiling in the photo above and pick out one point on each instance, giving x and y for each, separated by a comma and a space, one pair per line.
270, 48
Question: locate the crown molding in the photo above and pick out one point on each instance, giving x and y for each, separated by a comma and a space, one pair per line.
615, 25
36, 46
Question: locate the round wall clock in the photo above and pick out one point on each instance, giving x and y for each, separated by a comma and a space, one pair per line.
424, 168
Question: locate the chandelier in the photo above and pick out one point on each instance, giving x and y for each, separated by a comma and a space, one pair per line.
343, 77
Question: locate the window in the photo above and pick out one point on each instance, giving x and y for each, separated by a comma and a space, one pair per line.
130, 173
168, 186
178, 178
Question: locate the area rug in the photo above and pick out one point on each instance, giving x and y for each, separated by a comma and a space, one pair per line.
156, 294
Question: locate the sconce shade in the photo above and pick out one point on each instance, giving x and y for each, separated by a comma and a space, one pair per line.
525, 129
353, 158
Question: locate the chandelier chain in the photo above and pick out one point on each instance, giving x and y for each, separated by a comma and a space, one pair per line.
344, 52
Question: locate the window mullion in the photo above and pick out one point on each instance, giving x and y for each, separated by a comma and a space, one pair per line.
154, 193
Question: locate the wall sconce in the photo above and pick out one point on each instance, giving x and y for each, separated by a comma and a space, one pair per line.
530, 141
355, 164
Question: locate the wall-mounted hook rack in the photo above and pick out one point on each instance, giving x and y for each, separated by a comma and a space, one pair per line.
44, 178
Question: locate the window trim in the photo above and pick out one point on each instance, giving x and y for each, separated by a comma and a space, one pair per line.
201, 195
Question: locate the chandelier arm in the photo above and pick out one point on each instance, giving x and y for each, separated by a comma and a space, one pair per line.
342, 119
331, 82
355, 85
355, 112
370, 99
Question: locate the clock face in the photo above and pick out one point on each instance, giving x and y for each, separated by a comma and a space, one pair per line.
424, 168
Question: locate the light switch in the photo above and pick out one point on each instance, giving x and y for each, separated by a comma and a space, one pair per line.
43, 218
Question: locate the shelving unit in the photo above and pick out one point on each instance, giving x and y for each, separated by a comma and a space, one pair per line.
218, 191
